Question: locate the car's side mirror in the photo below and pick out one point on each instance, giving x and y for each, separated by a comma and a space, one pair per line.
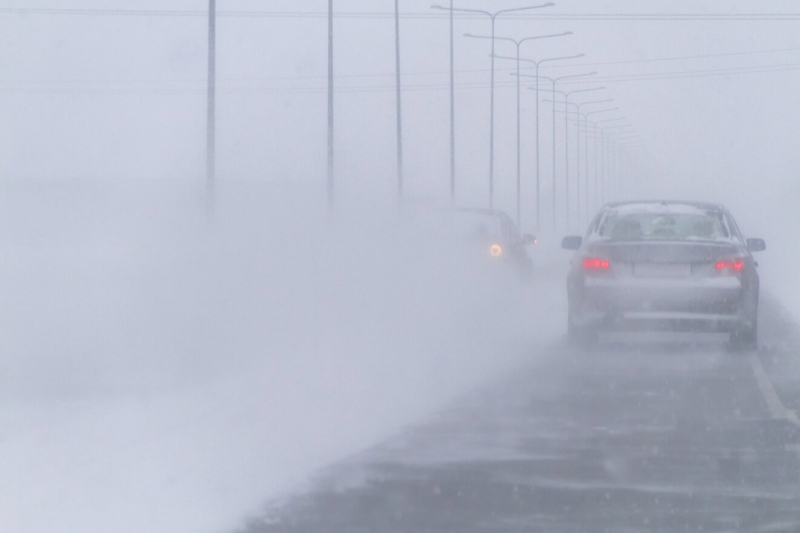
756, 245
528, 239
572, 242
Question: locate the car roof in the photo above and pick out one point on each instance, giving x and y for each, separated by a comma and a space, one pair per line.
649, 205
479, 211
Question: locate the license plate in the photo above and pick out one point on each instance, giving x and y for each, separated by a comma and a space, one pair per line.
662, 270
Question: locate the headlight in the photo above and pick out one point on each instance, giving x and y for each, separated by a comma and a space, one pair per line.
496, 250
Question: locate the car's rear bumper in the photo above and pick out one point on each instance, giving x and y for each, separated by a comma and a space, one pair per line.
714, 305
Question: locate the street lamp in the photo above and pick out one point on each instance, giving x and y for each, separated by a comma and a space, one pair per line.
634, 153
585, 153
452, 109
586, 136
566, 142
211, 113
555, 81
578, 107
616, 172
536, 64
624, 148
619, 142
330, 104
603, 168
493, 17
518, 43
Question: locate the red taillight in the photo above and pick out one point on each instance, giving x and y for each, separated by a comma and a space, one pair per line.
730, 264
595, 263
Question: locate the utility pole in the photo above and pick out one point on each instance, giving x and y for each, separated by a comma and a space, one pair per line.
518, 44
538, 189
555, 81
211, 109
330, 103
452, 108
566, 145
493, 17
586, 136
399, 101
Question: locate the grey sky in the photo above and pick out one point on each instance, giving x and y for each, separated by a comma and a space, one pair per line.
133, 107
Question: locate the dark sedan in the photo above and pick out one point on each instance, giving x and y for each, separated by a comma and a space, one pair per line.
668, 266
492, 236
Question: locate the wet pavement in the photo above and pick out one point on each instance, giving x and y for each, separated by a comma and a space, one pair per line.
624, 438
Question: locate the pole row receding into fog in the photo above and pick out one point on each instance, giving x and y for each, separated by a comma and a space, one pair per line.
600, 189
211, 105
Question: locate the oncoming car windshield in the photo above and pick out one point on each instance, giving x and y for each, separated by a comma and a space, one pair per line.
687, 224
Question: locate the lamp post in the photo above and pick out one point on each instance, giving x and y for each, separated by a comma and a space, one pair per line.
493, 17
619, 144
578, 107
634, 153
330, 104
555, 81
211, 118
538, 166
452, 109
585, 153
601, 172
518, 43
452, 10
586, 136
603, 163
399, 101
566, 144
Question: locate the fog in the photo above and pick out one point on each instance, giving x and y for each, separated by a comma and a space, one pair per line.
166, 366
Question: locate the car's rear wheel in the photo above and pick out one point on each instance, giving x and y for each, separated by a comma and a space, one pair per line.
745, 339
582, 336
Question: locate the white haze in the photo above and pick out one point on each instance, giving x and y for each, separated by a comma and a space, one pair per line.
162, 375
163, 371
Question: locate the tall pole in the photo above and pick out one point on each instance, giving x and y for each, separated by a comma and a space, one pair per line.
613, 169
597, 188
491, 127
538, 159
578, 175
586, 146
566, 141
600, 176
519, 150
586, 165
606, 197
596, 175
554, 155
538, 187
566, 166
554, 81
585, 150
608, 162
399, 101
211, 109
518, 44
330, 102
452, 109
493, 17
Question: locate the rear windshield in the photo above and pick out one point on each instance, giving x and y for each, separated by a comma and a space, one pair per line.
696, 226
473, 224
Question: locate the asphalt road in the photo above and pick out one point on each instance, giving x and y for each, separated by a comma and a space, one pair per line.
625, 438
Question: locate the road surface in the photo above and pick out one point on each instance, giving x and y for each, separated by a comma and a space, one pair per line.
626, 438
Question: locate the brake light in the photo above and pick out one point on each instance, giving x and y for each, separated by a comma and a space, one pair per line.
595, 263
730, 264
